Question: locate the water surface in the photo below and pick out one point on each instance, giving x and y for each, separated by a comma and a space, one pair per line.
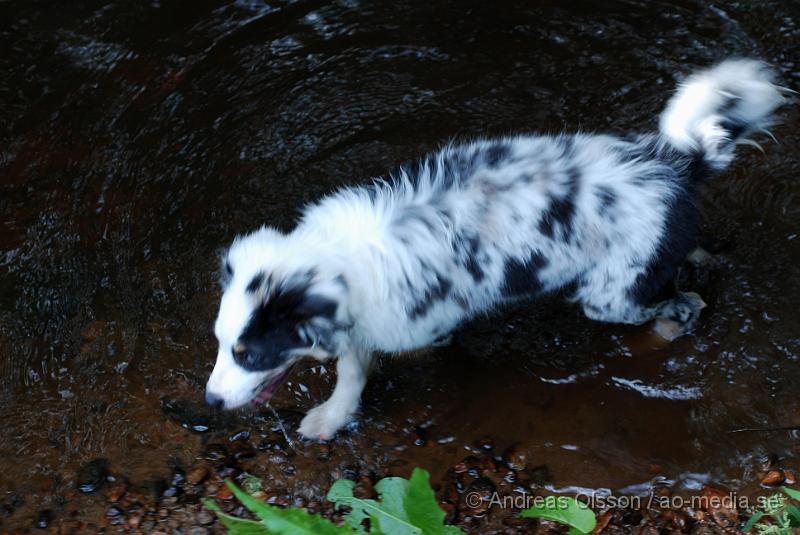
137, 139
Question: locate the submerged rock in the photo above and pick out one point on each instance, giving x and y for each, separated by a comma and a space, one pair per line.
516, 457
92, 475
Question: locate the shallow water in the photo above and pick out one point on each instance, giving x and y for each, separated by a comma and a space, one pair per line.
136, 139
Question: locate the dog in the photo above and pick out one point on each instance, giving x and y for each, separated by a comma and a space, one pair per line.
399, 263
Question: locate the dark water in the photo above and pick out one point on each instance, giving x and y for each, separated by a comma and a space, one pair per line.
138, 138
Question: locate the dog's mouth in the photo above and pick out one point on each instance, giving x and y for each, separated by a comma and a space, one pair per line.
271, 386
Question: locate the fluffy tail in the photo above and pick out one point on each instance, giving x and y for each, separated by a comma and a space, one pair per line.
717, 108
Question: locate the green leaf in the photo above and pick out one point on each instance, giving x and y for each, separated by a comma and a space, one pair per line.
564, 510
794, 512
390, 520
392, 492
287, 521
793, 494
752, 521
235, 526
341, 493
422, 508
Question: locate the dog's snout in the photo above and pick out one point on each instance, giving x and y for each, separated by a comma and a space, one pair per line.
214, 400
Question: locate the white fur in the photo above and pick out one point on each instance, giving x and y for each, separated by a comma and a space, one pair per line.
743, 88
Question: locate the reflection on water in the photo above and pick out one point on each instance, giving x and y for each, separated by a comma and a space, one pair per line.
139, 138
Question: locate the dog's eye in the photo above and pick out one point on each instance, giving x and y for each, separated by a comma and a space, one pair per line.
246, 358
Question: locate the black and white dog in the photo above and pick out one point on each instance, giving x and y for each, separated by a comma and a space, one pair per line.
397, 264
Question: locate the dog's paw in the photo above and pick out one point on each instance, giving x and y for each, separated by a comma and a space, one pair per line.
678, 316
322, 422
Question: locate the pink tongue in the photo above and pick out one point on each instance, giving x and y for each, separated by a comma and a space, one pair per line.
269, 390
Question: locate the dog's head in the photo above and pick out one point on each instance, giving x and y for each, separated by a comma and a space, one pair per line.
277, 306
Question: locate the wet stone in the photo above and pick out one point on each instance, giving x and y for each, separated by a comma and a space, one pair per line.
92, 475
241, 435
790, 478
114, 512
204, 517
516, 457
225, 493
229, 472
772, 478
197, 474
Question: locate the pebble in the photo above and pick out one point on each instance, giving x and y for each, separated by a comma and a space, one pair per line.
225, 493
772, 478
113, 511
241, 435
790, 478
204, 517
197, 474
92, 475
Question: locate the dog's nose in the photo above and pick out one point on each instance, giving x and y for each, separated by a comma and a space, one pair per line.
214, 400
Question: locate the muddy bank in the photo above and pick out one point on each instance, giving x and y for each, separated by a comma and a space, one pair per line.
481, 493
138, 139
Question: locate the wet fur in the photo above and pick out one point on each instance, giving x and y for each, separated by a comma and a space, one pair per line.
397, 264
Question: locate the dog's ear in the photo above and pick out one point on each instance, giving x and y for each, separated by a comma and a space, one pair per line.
225, 271
316, 306
316, 316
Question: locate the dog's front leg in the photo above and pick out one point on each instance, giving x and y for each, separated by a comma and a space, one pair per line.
323, 421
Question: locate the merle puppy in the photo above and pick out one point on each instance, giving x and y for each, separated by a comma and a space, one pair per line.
399, 263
